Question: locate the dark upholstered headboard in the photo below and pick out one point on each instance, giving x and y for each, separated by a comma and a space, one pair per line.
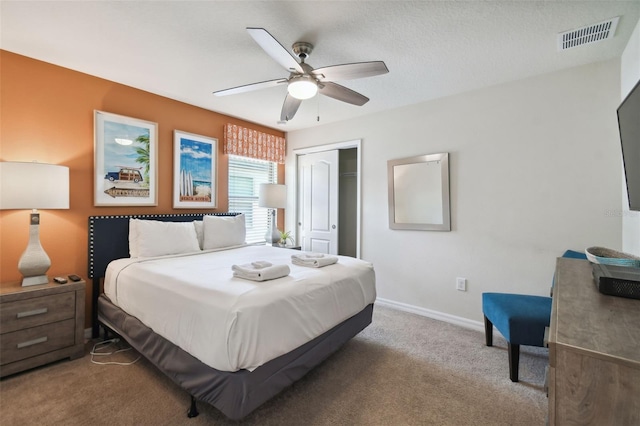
109, 240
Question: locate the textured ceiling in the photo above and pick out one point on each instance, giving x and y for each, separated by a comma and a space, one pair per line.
185, 50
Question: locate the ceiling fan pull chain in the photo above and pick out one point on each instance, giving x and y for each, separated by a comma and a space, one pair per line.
318, 119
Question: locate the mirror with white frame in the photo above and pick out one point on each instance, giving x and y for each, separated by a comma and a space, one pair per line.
419, 193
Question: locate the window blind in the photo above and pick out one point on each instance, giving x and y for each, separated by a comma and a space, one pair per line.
245, 176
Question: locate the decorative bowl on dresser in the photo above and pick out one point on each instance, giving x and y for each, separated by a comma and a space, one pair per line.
40, 324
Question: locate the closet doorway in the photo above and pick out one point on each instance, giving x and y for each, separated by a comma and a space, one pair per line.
328, 192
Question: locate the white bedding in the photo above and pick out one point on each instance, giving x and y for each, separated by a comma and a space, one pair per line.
230, 323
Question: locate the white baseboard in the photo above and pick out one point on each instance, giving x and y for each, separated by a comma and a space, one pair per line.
440, 316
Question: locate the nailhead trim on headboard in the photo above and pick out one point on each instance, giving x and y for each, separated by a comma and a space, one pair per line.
94, 219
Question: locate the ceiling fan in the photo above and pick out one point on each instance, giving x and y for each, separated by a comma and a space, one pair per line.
304, 82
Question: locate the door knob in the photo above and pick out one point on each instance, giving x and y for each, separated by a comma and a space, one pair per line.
333, 227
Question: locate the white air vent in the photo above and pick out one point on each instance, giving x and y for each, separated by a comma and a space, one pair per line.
587, 35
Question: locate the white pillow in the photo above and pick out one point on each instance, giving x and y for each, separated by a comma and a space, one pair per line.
199, 225
223, 231
149, 238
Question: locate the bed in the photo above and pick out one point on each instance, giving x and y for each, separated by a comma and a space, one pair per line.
245, 359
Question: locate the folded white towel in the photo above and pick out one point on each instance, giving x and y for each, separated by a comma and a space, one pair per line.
250, 272
314, 260
310, 255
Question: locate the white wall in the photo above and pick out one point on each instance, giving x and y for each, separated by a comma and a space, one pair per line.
629, 76
535, 169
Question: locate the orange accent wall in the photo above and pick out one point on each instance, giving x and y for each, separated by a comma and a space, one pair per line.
46, 114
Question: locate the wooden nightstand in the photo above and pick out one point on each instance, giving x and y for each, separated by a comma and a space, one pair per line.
40, 324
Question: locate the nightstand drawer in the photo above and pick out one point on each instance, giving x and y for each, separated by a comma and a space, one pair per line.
34, 341
36, 311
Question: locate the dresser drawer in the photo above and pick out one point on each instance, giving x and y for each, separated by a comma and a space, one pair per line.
34, 341
36, 311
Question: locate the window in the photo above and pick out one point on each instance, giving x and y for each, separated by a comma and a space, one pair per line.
245, 176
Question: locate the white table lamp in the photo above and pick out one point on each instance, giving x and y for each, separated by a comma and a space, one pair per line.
273, 196
33, 186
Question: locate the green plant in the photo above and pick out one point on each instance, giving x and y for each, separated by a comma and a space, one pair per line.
284, 237
144, 156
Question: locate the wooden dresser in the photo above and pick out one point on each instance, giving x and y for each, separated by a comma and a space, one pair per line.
40, 324
594, 352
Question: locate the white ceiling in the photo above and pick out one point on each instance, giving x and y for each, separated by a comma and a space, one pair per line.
185, 50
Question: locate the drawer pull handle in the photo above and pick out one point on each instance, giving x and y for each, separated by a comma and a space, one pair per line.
32, 342
32, 313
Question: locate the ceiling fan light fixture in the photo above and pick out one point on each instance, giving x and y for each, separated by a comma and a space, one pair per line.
302, 87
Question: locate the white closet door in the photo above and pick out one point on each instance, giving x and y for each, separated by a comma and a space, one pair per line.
318, 202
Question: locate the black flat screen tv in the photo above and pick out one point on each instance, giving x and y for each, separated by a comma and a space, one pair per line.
629, 126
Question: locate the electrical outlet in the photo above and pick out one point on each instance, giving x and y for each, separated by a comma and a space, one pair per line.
461, 284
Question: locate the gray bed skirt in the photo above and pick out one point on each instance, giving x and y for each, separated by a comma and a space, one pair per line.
239, 393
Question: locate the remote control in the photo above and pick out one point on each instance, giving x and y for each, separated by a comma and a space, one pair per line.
74, 278
60, 280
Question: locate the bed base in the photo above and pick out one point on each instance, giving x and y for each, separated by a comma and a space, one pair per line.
193, 409
235, 394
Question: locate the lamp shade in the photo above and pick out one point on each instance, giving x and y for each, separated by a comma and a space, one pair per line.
302, 87
272, 195
33, 186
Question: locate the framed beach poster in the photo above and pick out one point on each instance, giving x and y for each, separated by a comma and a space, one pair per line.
126, 161
194, 171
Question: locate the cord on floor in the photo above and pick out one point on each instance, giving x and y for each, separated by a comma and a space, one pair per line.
100, 345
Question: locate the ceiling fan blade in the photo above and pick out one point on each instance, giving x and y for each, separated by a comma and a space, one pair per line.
351, 71
289, 108
341, 93
250, 87
275, 49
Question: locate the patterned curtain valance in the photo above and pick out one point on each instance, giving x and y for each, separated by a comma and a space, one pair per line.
251, 143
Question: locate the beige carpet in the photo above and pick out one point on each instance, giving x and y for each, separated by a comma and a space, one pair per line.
403, 369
